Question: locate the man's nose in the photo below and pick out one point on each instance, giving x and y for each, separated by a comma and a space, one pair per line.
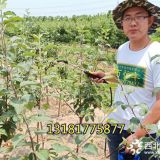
133, 22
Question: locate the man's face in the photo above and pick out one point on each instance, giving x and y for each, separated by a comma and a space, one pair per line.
136, 22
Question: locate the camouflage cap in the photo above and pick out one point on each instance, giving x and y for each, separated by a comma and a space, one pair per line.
151, 8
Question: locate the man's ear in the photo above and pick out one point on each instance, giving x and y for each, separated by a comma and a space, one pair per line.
151, 19
122, 25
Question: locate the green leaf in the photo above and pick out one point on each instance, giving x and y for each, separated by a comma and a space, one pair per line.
147, 139
7, 115
111, 121
3, 132
3, 4
27, 97
143, 109
5, 150
152, 127
60, 148
118, 103
124, 106
40, 132
24, 66
112, 85
85, 66
18, 105
90, 149
19, 158
134, 123
3, 91
4, 72
86, 118
42, 154
109, 110
29, 83
92, 118
40, 118
29, 105
13, 19
135, 120
9, 13
45, 106
158, 133
80, 158
29, 54
79, 139
17, 139
31, 156
37, 37
37, 147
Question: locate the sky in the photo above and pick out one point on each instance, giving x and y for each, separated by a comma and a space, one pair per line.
63, 7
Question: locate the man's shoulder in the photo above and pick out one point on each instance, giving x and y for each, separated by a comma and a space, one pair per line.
155, 44
124, 45
154, 47
154, 51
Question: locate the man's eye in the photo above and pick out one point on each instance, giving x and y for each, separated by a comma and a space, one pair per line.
127, 19
139, 17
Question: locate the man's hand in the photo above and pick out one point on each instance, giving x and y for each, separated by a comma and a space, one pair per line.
101, 77
96, 76
134, 146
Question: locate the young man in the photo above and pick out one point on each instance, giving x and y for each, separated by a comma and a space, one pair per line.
138, 56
